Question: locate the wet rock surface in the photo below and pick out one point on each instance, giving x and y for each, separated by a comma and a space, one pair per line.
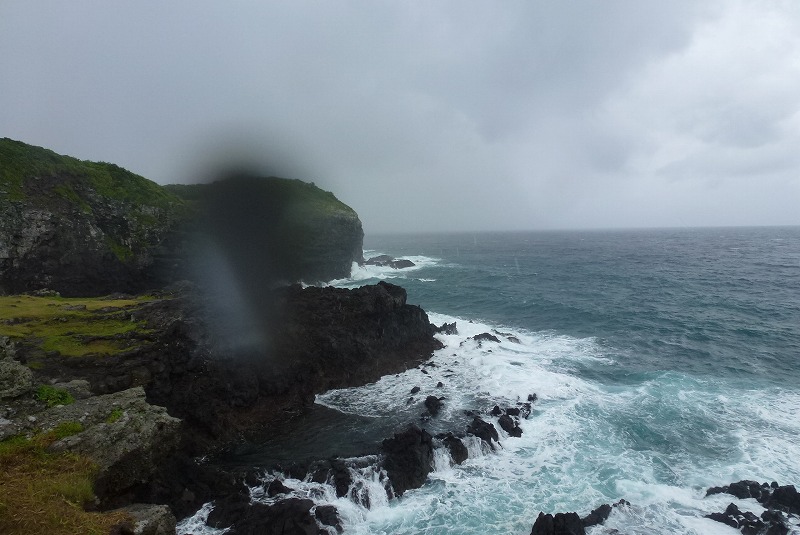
778, 501
408, 458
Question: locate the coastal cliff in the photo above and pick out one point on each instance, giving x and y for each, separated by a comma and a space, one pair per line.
134, 385
91, 228
80, 228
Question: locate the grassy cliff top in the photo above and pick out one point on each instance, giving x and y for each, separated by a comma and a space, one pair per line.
271, 191
73, 326
20, 163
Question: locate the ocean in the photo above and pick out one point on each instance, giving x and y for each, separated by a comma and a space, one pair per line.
664, 362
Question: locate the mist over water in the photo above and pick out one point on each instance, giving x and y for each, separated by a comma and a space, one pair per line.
665, 362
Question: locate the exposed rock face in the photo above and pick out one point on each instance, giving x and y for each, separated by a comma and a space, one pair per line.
560, 524
124, 435
276, 229
409, 458
776, 498
80, 228
15, 379
292, 516
86, 228
148, 520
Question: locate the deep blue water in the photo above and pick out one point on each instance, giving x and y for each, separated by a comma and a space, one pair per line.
722, 301
665, 361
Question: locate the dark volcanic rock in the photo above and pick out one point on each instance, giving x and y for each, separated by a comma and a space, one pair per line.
774, 497
560, 524
485, 337
458, 451
447, 328
409, 458
597, 516
328, 516
483, 430
509, 426
287, 517
388, 261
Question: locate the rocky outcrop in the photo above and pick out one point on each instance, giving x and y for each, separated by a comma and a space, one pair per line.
777, 499
146, 519
571, 523
86, 228
275, 229
408, 458
389, 261
293, 516
124, 435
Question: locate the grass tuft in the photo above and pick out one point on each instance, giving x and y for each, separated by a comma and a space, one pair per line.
54, 396
45, 493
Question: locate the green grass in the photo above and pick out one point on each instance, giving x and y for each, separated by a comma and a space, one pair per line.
115, 415
54, 396
21, 162
73, 326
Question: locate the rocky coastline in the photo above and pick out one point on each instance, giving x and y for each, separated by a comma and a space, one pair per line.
120, 380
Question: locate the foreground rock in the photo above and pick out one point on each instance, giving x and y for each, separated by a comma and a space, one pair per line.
408, 458
127, 438
777, 499
571, 523
388, 261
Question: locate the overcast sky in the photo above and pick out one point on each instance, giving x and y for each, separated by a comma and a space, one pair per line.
431, 115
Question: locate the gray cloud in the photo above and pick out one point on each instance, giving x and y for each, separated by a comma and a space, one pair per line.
443, 116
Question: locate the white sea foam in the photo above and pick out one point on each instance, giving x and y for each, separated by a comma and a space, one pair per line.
362, 274
196, 524
658, 442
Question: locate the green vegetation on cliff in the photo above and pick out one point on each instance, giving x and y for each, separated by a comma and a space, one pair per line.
22, 162
73, 326
286, 192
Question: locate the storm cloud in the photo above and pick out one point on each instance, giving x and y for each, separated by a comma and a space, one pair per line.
431, 116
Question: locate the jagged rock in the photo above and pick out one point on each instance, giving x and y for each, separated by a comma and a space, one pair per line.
458, 451
786, 498
276, 487
560, 524
328, 516
433, 404
415, 390
388, 261
15, 379
127, 450
485, 337
292, 516
447, 328
509, 426
408, 458
380, 260
483, 430
597, 516
401, 264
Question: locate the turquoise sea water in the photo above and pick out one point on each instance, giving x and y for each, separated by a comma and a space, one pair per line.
665, 361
